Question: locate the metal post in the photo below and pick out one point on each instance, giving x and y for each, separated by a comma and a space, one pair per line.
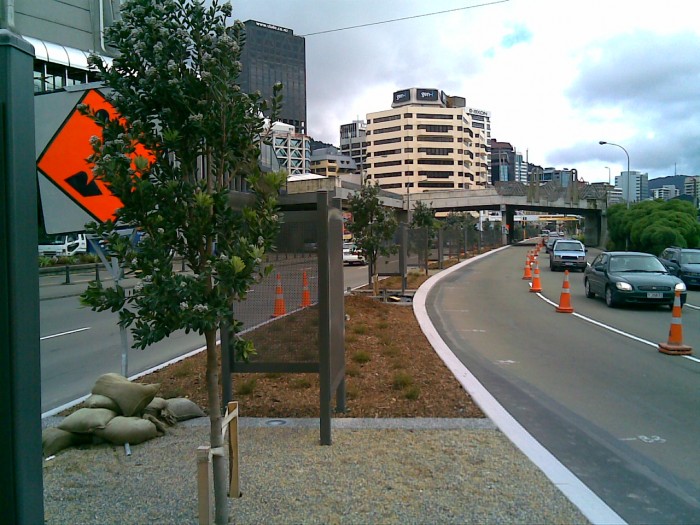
22, 496
324, 299
67, 275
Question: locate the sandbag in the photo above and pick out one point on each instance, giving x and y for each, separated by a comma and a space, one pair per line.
184, 409
98, 401
87, 420
53, 440
132, 398
132, 430
157, 404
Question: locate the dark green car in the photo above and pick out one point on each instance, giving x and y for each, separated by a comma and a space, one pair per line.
631, 277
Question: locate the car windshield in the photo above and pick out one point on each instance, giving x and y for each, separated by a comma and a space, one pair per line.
635, 263
568, 246
690, 257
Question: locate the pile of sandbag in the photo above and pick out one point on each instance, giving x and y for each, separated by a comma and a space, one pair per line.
119, 412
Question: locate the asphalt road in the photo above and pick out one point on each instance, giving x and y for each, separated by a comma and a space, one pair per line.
615, 411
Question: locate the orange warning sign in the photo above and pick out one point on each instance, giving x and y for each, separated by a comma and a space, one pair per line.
64, 161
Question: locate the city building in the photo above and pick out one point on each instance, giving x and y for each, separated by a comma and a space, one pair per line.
428, 141
692, 186
292, 149
665, 192
331, 163
634, 185
274, 54
353, 142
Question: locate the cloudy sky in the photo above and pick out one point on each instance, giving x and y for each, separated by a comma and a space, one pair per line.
557, 76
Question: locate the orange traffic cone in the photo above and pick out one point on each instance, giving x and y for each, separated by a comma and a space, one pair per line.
305, 295
280, 308
536, 285
675, 344
527, 274
565, 298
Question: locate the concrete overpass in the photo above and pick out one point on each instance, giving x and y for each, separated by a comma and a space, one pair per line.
579, 199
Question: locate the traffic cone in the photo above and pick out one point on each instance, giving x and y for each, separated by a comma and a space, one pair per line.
305, 295
280, 308
565, 297
536, 285
527, 274
675, 344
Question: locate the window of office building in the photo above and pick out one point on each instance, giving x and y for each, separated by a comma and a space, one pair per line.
386, 119
440, 116
437, 151
435, 138
386, 141
434, 129
387, 130
437, 162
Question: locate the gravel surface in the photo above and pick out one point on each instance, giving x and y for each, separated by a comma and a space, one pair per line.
465, 471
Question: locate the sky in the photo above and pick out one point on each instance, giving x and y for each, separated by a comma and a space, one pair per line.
557, 76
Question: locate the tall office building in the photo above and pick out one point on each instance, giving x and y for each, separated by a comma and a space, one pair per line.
634, 185
274, 54
427, 141
353, 142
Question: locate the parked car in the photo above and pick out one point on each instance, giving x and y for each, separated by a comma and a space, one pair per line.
567, 253
63, 245
631, 277
351, 255
683, 263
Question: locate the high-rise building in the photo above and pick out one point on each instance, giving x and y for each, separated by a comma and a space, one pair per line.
426, 141
634, 185
353, 142
274, 54
331, 163
292, 149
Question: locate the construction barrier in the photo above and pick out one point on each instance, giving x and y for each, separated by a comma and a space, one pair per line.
536, 284
305, 294
564, 306
280, 308
675, 345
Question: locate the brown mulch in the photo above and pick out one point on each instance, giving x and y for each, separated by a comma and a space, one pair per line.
391, 371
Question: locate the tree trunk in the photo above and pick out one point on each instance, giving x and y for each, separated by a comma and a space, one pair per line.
215, 439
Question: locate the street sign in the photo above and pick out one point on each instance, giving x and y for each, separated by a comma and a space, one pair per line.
64, 160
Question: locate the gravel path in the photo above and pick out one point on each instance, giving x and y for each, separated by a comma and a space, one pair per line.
434, 473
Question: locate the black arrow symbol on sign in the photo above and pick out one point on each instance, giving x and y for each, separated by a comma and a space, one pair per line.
79, 182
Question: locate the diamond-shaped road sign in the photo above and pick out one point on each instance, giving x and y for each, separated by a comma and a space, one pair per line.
64, 160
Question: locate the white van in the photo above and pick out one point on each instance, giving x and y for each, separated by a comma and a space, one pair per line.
63, 245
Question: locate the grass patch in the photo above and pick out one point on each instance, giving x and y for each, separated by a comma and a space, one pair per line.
352, 371
300, 383
382, 325
359, 330
402, 380
246, 387
412, 393
361, 357
391, 350
272, 375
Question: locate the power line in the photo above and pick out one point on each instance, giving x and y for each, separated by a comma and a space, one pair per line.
405, 18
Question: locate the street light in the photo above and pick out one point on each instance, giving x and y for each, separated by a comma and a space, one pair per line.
602, 143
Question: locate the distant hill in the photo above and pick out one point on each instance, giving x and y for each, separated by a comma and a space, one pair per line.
674, 180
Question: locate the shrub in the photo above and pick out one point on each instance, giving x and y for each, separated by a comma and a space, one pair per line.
412, 393
246, 387
300, 383
46, 261
359, 330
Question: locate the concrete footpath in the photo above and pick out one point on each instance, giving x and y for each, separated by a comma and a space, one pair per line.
377, 470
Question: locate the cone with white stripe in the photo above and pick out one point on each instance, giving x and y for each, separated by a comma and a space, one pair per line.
305, 294
564, 306
280, 308
536, 284
675, 345
527, 272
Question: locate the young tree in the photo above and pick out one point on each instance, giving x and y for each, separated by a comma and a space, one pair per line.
373, 226
424, 221
175, 87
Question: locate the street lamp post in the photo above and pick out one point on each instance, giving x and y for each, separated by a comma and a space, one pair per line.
602, 143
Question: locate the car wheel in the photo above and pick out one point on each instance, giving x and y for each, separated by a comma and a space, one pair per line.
609, 298
587, 286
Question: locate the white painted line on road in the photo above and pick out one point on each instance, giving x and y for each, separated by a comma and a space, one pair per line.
691, 358
64, 333
594, 508
691, 306
473, 330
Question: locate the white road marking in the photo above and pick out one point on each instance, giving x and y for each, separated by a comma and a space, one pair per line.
473, 330
506, 362
64, 333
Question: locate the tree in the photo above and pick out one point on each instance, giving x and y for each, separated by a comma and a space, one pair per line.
373, 226
174, 84
424, 221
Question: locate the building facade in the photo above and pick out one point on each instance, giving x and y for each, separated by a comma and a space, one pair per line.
331, 163
428, 141
353, 142
292, 149
274, 54
634, 185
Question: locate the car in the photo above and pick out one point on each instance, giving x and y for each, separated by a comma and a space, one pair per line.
683, 263
632, 277
567, 253
351, 255
551, 239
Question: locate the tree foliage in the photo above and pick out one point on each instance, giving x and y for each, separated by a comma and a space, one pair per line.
651, 226
424, 226
174, 84
373, 226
